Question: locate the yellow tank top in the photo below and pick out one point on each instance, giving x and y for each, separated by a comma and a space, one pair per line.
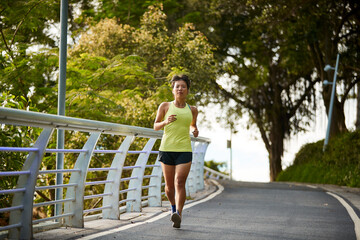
176, 137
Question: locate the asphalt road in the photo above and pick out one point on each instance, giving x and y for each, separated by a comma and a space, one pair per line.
241, 211
255, 211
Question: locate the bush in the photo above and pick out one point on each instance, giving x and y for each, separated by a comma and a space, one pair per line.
339, 164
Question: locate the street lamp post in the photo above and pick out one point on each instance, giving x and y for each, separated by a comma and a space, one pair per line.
61, 100
333, 83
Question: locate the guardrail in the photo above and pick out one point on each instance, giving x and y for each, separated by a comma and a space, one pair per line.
114, 201
210, 173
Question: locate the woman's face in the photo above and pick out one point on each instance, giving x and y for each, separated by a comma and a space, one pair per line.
180, 89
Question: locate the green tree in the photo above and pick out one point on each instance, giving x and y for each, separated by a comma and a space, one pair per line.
329, 28
269, 76
28, 59
114, 90
116, 68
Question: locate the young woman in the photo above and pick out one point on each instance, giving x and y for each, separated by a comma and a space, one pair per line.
175, 153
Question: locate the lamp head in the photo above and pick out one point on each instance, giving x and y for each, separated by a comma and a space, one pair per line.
326, 82
328, 68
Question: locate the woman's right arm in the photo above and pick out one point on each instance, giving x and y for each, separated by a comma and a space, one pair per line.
159, 122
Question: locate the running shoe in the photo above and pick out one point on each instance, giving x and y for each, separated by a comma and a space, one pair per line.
176, 219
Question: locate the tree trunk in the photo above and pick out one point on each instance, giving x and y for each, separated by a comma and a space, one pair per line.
275, 163
276, 149
338, 117
274, 143
357, 124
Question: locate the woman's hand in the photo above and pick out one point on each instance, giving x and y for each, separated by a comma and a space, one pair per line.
195, 132
170, 119
194, 129
159, 122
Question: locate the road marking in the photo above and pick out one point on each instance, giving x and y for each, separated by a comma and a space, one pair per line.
211, 196
311, 186
351, 212
128, 226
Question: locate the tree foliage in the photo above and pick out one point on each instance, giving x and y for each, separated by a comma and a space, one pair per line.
23, 28
121, 72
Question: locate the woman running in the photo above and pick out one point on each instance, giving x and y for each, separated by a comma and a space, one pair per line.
175, 153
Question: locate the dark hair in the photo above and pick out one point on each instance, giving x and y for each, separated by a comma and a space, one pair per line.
183, 77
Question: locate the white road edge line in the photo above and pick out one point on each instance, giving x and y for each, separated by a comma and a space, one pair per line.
162, 215
351, 212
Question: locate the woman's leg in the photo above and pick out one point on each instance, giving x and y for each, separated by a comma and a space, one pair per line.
169, 176
181, 173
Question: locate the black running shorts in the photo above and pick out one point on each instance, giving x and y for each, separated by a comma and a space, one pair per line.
175, 158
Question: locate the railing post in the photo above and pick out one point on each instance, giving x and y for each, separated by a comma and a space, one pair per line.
32, 164
135, 205
115, 176
190, 181
198, 177
79, 178
155, 182
201, 164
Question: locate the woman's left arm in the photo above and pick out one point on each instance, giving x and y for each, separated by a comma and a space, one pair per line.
193, 126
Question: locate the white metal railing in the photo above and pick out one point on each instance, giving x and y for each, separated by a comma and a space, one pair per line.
210, 173
21, 211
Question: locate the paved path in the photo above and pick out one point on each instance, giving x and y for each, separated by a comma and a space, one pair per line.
241, 211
